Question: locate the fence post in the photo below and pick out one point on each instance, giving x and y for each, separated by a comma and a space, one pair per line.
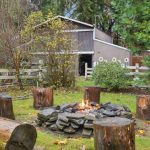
85, 70
137, 67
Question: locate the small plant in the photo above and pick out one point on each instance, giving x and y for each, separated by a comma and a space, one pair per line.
110, 75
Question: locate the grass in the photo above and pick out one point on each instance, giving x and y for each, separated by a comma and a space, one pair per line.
24, 112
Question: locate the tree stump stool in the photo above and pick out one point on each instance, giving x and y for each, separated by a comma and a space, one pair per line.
43, 97
23, 137
114, 134
6, 107
143, 107
92, 94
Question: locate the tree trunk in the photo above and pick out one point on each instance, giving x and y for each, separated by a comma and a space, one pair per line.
19, 80
6, 107
143, 107
43, 97
114, 134
92, 93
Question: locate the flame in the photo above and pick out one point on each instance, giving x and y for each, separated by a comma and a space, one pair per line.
85, 105
82, 105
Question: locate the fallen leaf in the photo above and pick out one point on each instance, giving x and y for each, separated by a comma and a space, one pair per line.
63, 142
140, 132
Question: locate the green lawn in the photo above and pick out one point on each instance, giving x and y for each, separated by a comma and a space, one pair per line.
24, 112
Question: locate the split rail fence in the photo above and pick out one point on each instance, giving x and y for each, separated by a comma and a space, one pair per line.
8, 76
135, 70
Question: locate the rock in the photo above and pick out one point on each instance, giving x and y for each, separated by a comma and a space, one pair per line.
126, 114
64, 123
99, 115
101, 110
52, 119
75, 126
104, 105
109, 113
59, 126
62, 117
68, 110
118, 112
69, 130
38, 122
75, 115
65, 106
47, 124
77, 121
113, 107
47, 113
88, 124
42, 119
87, 132
90, 116
53, 127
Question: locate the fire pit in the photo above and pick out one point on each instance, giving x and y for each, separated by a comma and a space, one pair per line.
78, 118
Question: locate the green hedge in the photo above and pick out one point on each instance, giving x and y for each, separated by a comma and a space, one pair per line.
110, 75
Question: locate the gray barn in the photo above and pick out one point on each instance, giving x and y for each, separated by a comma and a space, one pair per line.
93, 45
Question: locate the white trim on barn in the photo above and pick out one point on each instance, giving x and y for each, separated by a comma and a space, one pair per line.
74, 52
82, 52
79, 30
73, 20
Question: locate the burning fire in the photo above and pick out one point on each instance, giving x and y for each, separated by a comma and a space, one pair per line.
86, 105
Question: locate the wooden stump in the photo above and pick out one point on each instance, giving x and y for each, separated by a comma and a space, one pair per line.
6, 107
92, 93
143, 107
17, 137
114, 134
43, 97
22, 138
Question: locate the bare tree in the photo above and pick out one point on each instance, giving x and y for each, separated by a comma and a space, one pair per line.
12, 48
55, 42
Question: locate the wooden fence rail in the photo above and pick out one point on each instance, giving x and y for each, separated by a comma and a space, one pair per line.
135, 70
24, 73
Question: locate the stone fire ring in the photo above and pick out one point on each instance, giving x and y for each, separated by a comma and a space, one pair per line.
70, 119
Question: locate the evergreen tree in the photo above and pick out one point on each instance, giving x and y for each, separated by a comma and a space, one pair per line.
132, 23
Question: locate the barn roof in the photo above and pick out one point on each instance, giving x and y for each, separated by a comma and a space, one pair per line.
66, 18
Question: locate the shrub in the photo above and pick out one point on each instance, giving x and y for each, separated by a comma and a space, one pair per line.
110, 75
147, 63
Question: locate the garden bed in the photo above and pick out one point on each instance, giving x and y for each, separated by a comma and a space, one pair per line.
144, 90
